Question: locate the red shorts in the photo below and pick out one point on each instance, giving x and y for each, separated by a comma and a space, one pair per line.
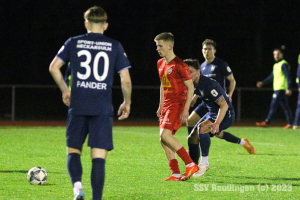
170, 117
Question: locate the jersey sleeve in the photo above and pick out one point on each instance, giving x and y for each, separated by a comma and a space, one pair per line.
225, 69
122, 61
64, 51
183, 71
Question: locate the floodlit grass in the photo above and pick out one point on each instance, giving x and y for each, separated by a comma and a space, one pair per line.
137, 166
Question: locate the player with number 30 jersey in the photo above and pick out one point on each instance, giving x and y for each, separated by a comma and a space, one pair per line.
94, 59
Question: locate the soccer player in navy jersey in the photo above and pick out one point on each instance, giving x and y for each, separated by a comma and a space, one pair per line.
94, 58
282, 83
297, 115
217, 69
218, 117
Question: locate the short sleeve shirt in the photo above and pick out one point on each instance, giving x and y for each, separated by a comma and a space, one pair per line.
217, 70
94, 58
210, 91
173, 75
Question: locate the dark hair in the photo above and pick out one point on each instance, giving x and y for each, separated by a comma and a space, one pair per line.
209, 42
166, 36
193, 63
278, 49
95, 14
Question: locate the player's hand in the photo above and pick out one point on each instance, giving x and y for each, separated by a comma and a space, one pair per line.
124, 111
66, 98
158, 112
184, 116
259, 84
288, 92
215, 128
205, 128
229, 97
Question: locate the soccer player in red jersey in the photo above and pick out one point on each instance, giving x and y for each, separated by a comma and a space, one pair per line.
176, 92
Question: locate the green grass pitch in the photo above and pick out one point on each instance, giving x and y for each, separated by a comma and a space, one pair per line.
137, 166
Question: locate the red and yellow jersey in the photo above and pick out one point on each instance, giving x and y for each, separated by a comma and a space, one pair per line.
173, 75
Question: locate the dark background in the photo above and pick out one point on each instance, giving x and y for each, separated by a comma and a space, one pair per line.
246, 32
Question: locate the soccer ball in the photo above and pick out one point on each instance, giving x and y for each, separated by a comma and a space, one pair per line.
37, 176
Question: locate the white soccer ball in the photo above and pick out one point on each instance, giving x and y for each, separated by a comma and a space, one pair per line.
37, 176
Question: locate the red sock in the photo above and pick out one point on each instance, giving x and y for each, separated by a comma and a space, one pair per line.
184, 156
174, 166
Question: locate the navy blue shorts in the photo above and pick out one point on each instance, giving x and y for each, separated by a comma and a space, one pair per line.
201, 109
99, 129
225, 124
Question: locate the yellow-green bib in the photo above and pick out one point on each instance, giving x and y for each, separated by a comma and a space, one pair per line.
279, 80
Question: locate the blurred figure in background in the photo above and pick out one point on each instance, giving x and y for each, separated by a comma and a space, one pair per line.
297, 115
282, 84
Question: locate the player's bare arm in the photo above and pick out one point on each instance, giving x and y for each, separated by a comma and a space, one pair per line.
161, 101
222, 112
189, 95
232, 84
194, 100
124, 109
54, 69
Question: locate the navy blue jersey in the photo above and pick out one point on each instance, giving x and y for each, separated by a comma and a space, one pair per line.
217, 70
94, 58
210, 91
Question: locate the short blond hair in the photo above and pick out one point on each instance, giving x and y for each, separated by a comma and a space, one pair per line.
166, 36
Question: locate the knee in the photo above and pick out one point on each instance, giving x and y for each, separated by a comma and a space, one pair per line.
74, 150
192, 120
203, 128
220, 135
164, 135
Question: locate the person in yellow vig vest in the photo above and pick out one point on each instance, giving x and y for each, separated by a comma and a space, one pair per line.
281, 77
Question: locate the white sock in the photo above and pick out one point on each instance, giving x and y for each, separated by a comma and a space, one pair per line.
242, 142
77, 187
204, 160
190, 164
176, 175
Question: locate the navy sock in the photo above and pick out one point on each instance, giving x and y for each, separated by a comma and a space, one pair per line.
204, 143
194, 152
74, 167
189, 129
230, 138
98, 177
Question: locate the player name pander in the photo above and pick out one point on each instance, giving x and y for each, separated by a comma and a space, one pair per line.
91, 85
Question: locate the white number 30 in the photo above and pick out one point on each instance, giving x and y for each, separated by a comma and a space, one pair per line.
86, 65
